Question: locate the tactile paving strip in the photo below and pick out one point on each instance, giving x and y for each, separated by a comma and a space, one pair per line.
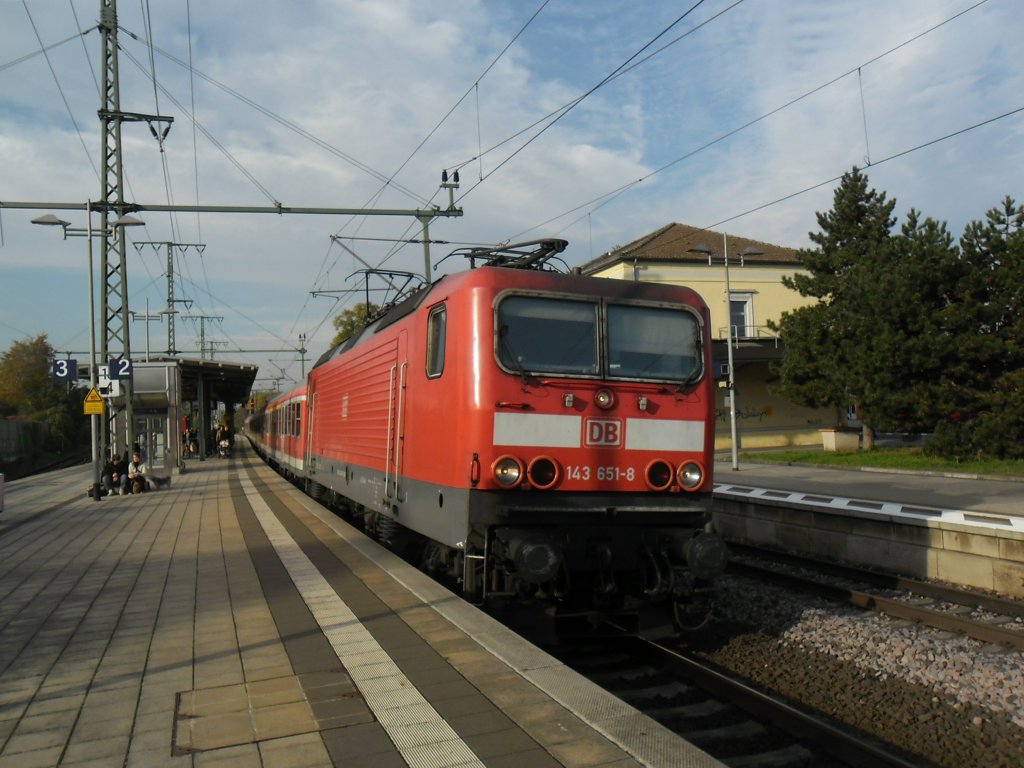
420, 733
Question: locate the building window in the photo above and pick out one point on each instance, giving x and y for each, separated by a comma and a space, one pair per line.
741, 315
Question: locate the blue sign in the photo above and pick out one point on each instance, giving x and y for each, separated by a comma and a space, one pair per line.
119, 368
65, 370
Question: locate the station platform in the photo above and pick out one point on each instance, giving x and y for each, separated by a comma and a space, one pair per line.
950, 491
961, 529
229, 620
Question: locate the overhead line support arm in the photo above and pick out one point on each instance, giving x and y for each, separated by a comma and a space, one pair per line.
278, 209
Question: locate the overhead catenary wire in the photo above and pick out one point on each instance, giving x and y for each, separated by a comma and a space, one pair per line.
290, 125
43, 50
474, 88
552, 118
196, 125
608, 197
555, 116
615, 194
572, 105
614, 76
875, 164
834, 179
209, 136
56, 80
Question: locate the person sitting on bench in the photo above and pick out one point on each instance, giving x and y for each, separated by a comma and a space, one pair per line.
136, 474
115, 479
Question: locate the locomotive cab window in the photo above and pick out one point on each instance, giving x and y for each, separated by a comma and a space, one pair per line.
547, 335
437, 323
571, 337
652, 343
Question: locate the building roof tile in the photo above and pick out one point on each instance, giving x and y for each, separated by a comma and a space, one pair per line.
672, 243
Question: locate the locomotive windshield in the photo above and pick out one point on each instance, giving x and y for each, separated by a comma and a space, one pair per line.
652, 343
548, 335
544, 335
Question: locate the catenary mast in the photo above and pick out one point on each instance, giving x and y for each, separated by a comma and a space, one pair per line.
114, 332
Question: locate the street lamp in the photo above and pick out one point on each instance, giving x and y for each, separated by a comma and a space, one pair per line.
88, 232
749, 251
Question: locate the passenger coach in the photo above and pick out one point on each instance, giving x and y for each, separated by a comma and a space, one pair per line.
280, 431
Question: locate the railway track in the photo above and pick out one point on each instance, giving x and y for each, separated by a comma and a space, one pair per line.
877, 721
984, 617
733, 721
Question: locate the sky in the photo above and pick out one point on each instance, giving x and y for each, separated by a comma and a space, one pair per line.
597, 122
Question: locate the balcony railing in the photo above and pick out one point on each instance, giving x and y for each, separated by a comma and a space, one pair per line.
750, 332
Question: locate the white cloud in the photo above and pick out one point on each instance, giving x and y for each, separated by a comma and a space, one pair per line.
373, 78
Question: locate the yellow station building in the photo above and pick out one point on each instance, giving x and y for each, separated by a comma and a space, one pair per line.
682, 255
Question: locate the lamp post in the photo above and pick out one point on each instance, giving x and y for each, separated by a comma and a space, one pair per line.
749, 251
88, 233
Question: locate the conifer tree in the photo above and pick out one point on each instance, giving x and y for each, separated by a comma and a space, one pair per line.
826, 342
982, 397
919, 334
904, 308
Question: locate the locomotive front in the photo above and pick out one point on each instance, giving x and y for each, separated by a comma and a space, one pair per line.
594, 490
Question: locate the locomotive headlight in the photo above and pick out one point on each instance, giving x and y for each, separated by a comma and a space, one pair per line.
507, 471
604, 399
691, 475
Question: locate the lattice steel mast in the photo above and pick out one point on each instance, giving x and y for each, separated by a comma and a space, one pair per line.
114, 332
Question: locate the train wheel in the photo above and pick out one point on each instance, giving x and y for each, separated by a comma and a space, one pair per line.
690, 616
434, 558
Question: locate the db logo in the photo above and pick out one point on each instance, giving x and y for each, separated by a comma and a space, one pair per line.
603, 432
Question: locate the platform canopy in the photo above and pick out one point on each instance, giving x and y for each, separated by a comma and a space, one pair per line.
229, 383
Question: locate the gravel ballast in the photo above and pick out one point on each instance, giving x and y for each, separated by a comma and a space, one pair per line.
944, 697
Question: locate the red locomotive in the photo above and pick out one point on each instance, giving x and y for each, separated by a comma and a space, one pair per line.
531, 433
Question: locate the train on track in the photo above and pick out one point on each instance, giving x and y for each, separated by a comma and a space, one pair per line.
528, 433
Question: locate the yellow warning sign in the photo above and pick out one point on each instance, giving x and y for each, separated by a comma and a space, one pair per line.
93, 405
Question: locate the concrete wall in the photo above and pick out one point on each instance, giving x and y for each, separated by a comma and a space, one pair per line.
986, 553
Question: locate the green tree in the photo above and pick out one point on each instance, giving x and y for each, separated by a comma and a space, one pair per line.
982, 397
905, 303
27, 389
26, 386
351, 320
827, 342
918, 333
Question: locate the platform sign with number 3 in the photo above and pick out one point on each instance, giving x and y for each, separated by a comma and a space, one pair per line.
65, 370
